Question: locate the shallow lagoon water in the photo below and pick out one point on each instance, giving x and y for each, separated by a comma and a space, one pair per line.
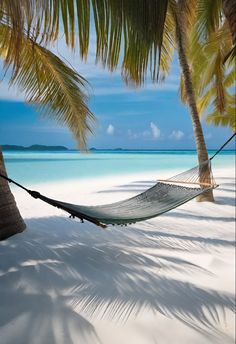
39, 167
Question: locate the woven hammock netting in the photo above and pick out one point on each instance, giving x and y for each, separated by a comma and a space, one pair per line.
162, 197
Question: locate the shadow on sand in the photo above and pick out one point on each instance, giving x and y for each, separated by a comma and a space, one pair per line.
59, 275
53, 281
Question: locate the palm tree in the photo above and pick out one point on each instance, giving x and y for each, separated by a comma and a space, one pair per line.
27, 27
151, 46
177, 17
181, 23
54, 88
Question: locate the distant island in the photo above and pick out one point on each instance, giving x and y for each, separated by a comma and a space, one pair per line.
33, 148
44, 148
107, 149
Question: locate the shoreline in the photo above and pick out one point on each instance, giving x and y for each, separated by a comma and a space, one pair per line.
169, 172
113, 150
151, 175
47, 168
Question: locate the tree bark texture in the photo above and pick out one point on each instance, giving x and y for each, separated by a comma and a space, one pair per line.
11, 221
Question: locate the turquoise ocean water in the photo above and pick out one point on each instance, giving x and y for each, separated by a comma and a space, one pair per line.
39, 167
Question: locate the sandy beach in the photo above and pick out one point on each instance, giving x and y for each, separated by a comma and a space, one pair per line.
167, 280
125, 102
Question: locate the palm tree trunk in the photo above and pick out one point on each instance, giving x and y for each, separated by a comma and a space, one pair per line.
11, 221
205, 174
229, 9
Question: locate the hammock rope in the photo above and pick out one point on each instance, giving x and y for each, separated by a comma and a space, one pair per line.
165, 195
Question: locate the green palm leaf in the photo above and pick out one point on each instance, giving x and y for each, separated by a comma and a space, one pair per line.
57, 90
213, 75
134, 29
209, 14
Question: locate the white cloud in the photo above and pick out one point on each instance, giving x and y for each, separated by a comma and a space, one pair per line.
177, 135
110, 129
156, 133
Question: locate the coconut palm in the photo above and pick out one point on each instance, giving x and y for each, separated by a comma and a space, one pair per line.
54, 88
211, 44
27, 27
181, 22
180, 16
151, 46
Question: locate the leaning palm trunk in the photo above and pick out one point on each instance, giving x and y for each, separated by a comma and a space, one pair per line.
204, 173
10, 219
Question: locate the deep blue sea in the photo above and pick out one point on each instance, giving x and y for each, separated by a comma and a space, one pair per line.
39, 167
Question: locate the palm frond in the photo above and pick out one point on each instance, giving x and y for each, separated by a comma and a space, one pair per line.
209, 16
168, 45
212, 76
140, 26
226, 120
134, 29
57, 90
188, 11
230, 77
205, 100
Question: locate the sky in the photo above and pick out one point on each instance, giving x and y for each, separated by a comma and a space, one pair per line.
151, 117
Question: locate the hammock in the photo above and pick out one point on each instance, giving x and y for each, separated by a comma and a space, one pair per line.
165, 195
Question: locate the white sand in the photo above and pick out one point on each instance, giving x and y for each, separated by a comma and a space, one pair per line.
167, 280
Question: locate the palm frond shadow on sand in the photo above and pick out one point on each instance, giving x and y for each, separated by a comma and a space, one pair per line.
69, 275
